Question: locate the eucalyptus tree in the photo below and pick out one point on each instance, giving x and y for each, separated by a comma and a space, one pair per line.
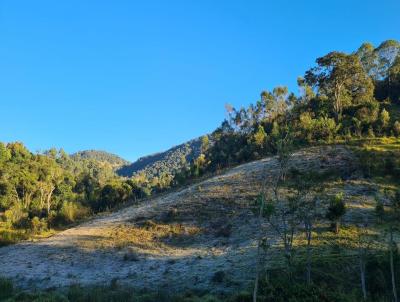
341, 79
392, 216
369, 59
270, 208
308, 192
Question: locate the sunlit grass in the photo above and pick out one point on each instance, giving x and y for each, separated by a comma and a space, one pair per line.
149, 237
9, 235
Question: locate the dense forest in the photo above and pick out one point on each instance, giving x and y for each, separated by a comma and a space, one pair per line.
100, 156
40, 192
168, 162
344, 99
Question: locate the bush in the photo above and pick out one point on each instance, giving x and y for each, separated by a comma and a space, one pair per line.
321, 129
16, 215
6, 288
38, 225
110, 196
40, 297
218, 277
242, 297
336, 209
396, 128
72, 211
302, 293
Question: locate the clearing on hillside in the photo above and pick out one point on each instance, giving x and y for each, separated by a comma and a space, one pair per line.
201, 237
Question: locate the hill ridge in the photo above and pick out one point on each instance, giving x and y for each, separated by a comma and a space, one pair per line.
164, 162
177, 240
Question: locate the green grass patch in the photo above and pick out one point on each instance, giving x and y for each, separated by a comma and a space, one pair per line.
10, 235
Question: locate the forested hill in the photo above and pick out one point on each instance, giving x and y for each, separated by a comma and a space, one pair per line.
100, 156
167, 162
300, 190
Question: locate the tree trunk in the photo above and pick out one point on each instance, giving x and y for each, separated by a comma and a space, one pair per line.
288, 242
259, 239
49, 199
255, 290
337, 227
308, 234
362, 276
392, 265
41, 198
27, 199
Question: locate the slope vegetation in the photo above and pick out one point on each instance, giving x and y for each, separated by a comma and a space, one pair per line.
100, 156
201, 237
167, 162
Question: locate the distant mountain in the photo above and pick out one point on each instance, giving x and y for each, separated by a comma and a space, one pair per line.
101, 156
167, 162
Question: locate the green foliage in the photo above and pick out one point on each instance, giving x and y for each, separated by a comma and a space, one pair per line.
168, 162
341, 79
72, 211
6, 288
100, 156
380, 158
339, 100
260, 137
15, 214
111, 195
384, 119
320, 129
39, 191
396, 128
336, 209
38, 225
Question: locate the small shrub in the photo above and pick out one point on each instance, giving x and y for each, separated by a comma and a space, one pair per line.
396, 128
114, 284
218, 277
242, 297
224, 231
131, 256
38, 225
6, 288
16, 216
371, 133
336, 209
169, 216
71, 212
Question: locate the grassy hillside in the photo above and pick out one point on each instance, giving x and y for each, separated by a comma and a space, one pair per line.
205, 237
296, 198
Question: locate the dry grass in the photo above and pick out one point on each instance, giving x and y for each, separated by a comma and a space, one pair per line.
147, 237
183, 238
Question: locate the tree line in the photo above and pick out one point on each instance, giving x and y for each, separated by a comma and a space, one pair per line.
345, 96
52, 189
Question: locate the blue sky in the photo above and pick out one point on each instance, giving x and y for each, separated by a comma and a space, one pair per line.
137, 77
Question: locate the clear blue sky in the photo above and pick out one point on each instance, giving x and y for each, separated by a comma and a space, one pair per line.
136, 77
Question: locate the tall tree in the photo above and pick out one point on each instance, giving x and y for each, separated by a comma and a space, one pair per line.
368, 58
387, 52
278, 213
393, 217
336, 210
342, 79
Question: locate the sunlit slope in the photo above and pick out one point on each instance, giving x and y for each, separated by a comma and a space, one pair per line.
203, 236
